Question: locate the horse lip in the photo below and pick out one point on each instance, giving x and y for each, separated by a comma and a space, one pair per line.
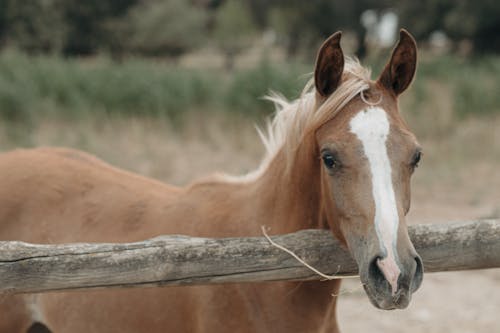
400, 300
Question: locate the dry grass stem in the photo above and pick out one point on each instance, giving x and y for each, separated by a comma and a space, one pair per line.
323, 275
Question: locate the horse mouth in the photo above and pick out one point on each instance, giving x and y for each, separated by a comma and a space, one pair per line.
386, 301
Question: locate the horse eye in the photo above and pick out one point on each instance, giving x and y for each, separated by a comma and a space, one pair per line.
329, 161
416, 159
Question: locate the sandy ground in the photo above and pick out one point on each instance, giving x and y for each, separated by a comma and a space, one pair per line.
456, 181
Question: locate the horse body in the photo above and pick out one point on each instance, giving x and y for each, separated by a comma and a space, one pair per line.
315, 175
67, 197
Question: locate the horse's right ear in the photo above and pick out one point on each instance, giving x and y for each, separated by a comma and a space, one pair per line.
329, 65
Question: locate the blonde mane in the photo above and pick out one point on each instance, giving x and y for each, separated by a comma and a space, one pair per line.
294, 119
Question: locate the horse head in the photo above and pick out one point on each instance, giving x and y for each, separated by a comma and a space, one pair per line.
368, 155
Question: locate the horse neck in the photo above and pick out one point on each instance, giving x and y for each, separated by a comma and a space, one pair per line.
284, 198
290, 194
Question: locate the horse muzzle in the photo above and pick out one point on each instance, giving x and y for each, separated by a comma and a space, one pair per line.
385, 289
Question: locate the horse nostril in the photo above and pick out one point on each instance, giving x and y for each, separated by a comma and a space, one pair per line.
374, 272
419, 274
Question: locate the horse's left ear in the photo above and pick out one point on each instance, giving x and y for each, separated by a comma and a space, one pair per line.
399, 71
329, 65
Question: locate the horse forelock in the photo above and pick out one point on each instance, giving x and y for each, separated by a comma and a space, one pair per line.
293, 120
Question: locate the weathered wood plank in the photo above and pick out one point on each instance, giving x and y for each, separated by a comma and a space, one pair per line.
181, 260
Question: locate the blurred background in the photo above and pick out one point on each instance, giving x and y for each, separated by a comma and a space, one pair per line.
172, 89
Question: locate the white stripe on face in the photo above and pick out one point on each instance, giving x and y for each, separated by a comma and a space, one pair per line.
371, 126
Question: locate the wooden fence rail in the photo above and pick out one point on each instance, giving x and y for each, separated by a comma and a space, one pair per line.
181, 260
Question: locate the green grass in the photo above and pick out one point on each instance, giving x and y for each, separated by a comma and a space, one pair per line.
34, 87
246, 88
37, 86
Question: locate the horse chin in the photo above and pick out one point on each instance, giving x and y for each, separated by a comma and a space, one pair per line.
381, 297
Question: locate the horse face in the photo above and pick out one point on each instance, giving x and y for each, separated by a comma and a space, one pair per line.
368, 155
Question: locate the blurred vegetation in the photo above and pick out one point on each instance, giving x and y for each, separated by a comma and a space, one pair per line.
158, 27
475, 83
234, 30
172, 27
69, 58
39, 86
477, 21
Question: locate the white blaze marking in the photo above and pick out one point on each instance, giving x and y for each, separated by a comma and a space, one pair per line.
371, 126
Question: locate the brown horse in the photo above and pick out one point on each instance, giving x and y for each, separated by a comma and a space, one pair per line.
340, 157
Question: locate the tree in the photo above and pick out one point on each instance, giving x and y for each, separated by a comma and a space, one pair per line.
3, 21
478, 21
88, 22
50, 26
34, 26
465, 19
233, 29
169, 28
306, 23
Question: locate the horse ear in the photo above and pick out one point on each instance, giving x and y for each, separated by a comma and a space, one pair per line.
329, 65
399, 71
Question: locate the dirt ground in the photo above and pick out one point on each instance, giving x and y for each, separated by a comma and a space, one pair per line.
457, 180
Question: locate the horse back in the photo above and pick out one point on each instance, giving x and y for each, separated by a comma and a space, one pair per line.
54, 195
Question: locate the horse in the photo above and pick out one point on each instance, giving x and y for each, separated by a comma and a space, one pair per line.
340, 157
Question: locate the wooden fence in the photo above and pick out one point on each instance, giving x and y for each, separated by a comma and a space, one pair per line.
182, 260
